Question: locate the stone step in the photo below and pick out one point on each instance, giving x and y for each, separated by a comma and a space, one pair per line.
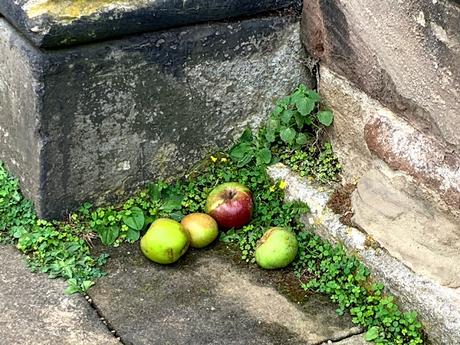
35, 311
51, 23
211, 297
395, 260
96, 121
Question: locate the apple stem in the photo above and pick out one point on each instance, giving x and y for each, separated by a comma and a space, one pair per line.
229, 194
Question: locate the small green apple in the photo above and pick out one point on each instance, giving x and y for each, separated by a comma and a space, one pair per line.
276, 249
202, 228
165, 241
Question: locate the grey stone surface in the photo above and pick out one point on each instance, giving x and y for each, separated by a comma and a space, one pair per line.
51, 23
413, 232
105, 118
211, 297
438, 306
35, 311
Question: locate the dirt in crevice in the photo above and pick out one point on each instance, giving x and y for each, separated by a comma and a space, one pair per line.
340, 203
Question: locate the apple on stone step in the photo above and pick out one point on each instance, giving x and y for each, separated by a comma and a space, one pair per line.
231, 205
276, 249
202, 228
165, 241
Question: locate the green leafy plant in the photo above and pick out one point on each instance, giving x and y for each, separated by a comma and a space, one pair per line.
328, 269
55, 248
296, 118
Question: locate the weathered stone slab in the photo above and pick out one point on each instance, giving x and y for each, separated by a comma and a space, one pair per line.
81, 123
419, 236
404, 54
366, 132
392, 77
209, 297
52, 23
35, 311
437, 306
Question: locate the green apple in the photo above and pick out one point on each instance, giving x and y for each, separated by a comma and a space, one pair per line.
165, 241
202, 228
276, 249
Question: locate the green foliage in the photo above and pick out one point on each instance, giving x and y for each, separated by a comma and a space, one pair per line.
321, 165
296, 118
53, 248
326, 268
290, 136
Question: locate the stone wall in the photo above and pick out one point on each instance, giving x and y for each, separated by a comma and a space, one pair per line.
390, 71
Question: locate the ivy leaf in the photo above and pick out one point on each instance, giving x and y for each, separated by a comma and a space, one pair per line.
265, 155
270, 136
286, 116
174, 202
288, 135
305, 106
301, 139
313, 95
177, 216
325, 117
240, 150
278, 110
245, 160
133, 235
86, 285
247, 136
372, 334
135, 220
108, 235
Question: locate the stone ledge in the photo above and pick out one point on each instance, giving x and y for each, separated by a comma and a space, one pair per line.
51, 23
437, 306
97, 121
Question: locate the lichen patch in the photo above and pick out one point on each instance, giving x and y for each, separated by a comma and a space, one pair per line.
71, 10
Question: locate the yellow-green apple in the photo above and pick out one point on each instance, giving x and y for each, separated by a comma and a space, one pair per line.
202, 228
165, 241
230, 204
276, 249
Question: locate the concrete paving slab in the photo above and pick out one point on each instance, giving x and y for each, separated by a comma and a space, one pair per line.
35, 311
211, 297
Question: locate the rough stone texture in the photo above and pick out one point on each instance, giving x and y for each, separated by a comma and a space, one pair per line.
51, 23
391, 73
405, 54
437, 305
419, 236
355, 340
365, 132
406, 149
208, 297
35, 310
103, 119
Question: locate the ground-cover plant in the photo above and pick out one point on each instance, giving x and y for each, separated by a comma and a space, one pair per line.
292, 135
55, 248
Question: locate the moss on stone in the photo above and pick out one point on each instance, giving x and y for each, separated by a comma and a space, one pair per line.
70, 10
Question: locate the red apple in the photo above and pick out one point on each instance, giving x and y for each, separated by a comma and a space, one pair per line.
230, 204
